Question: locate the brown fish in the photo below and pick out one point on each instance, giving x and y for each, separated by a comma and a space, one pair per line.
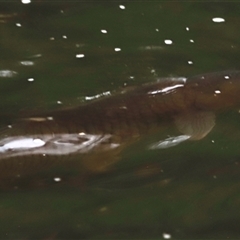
99, 130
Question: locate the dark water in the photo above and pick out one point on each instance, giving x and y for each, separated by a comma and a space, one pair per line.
55, 54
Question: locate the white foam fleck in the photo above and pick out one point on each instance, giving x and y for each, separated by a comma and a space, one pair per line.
218, 20
168, 41
166, 236
117, 49
7, 73
122, 7
80, 55
27, 63
57, 179
26, 1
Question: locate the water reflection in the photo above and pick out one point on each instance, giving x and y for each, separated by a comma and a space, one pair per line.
7, 73
27, 63
81, 187
54, 144
169, 142
167, 89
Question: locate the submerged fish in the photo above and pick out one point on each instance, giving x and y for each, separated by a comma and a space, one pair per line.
100, 129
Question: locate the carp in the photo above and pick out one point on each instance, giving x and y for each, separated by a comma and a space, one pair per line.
99, 130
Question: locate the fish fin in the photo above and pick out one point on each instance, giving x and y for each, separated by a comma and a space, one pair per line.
169, 142
196, 125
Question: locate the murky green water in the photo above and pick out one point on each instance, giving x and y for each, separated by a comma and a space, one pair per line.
55, 54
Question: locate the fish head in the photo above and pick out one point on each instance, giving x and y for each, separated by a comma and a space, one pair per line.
215, 91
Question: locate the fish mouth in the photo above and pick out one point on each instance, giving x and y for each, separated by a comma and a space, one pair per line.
57, 144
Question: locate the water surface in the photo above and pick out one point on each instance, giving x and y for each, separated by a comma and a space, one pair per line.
56, 55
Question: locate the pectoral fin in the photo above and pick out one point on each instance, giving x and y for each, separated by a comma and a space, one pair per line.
196, 125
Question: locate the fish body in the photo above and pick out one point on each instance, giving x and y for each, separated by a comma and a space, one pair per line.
99, 130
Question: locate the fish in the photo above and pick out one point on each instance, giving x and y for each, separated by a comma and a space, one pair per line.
95, 133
